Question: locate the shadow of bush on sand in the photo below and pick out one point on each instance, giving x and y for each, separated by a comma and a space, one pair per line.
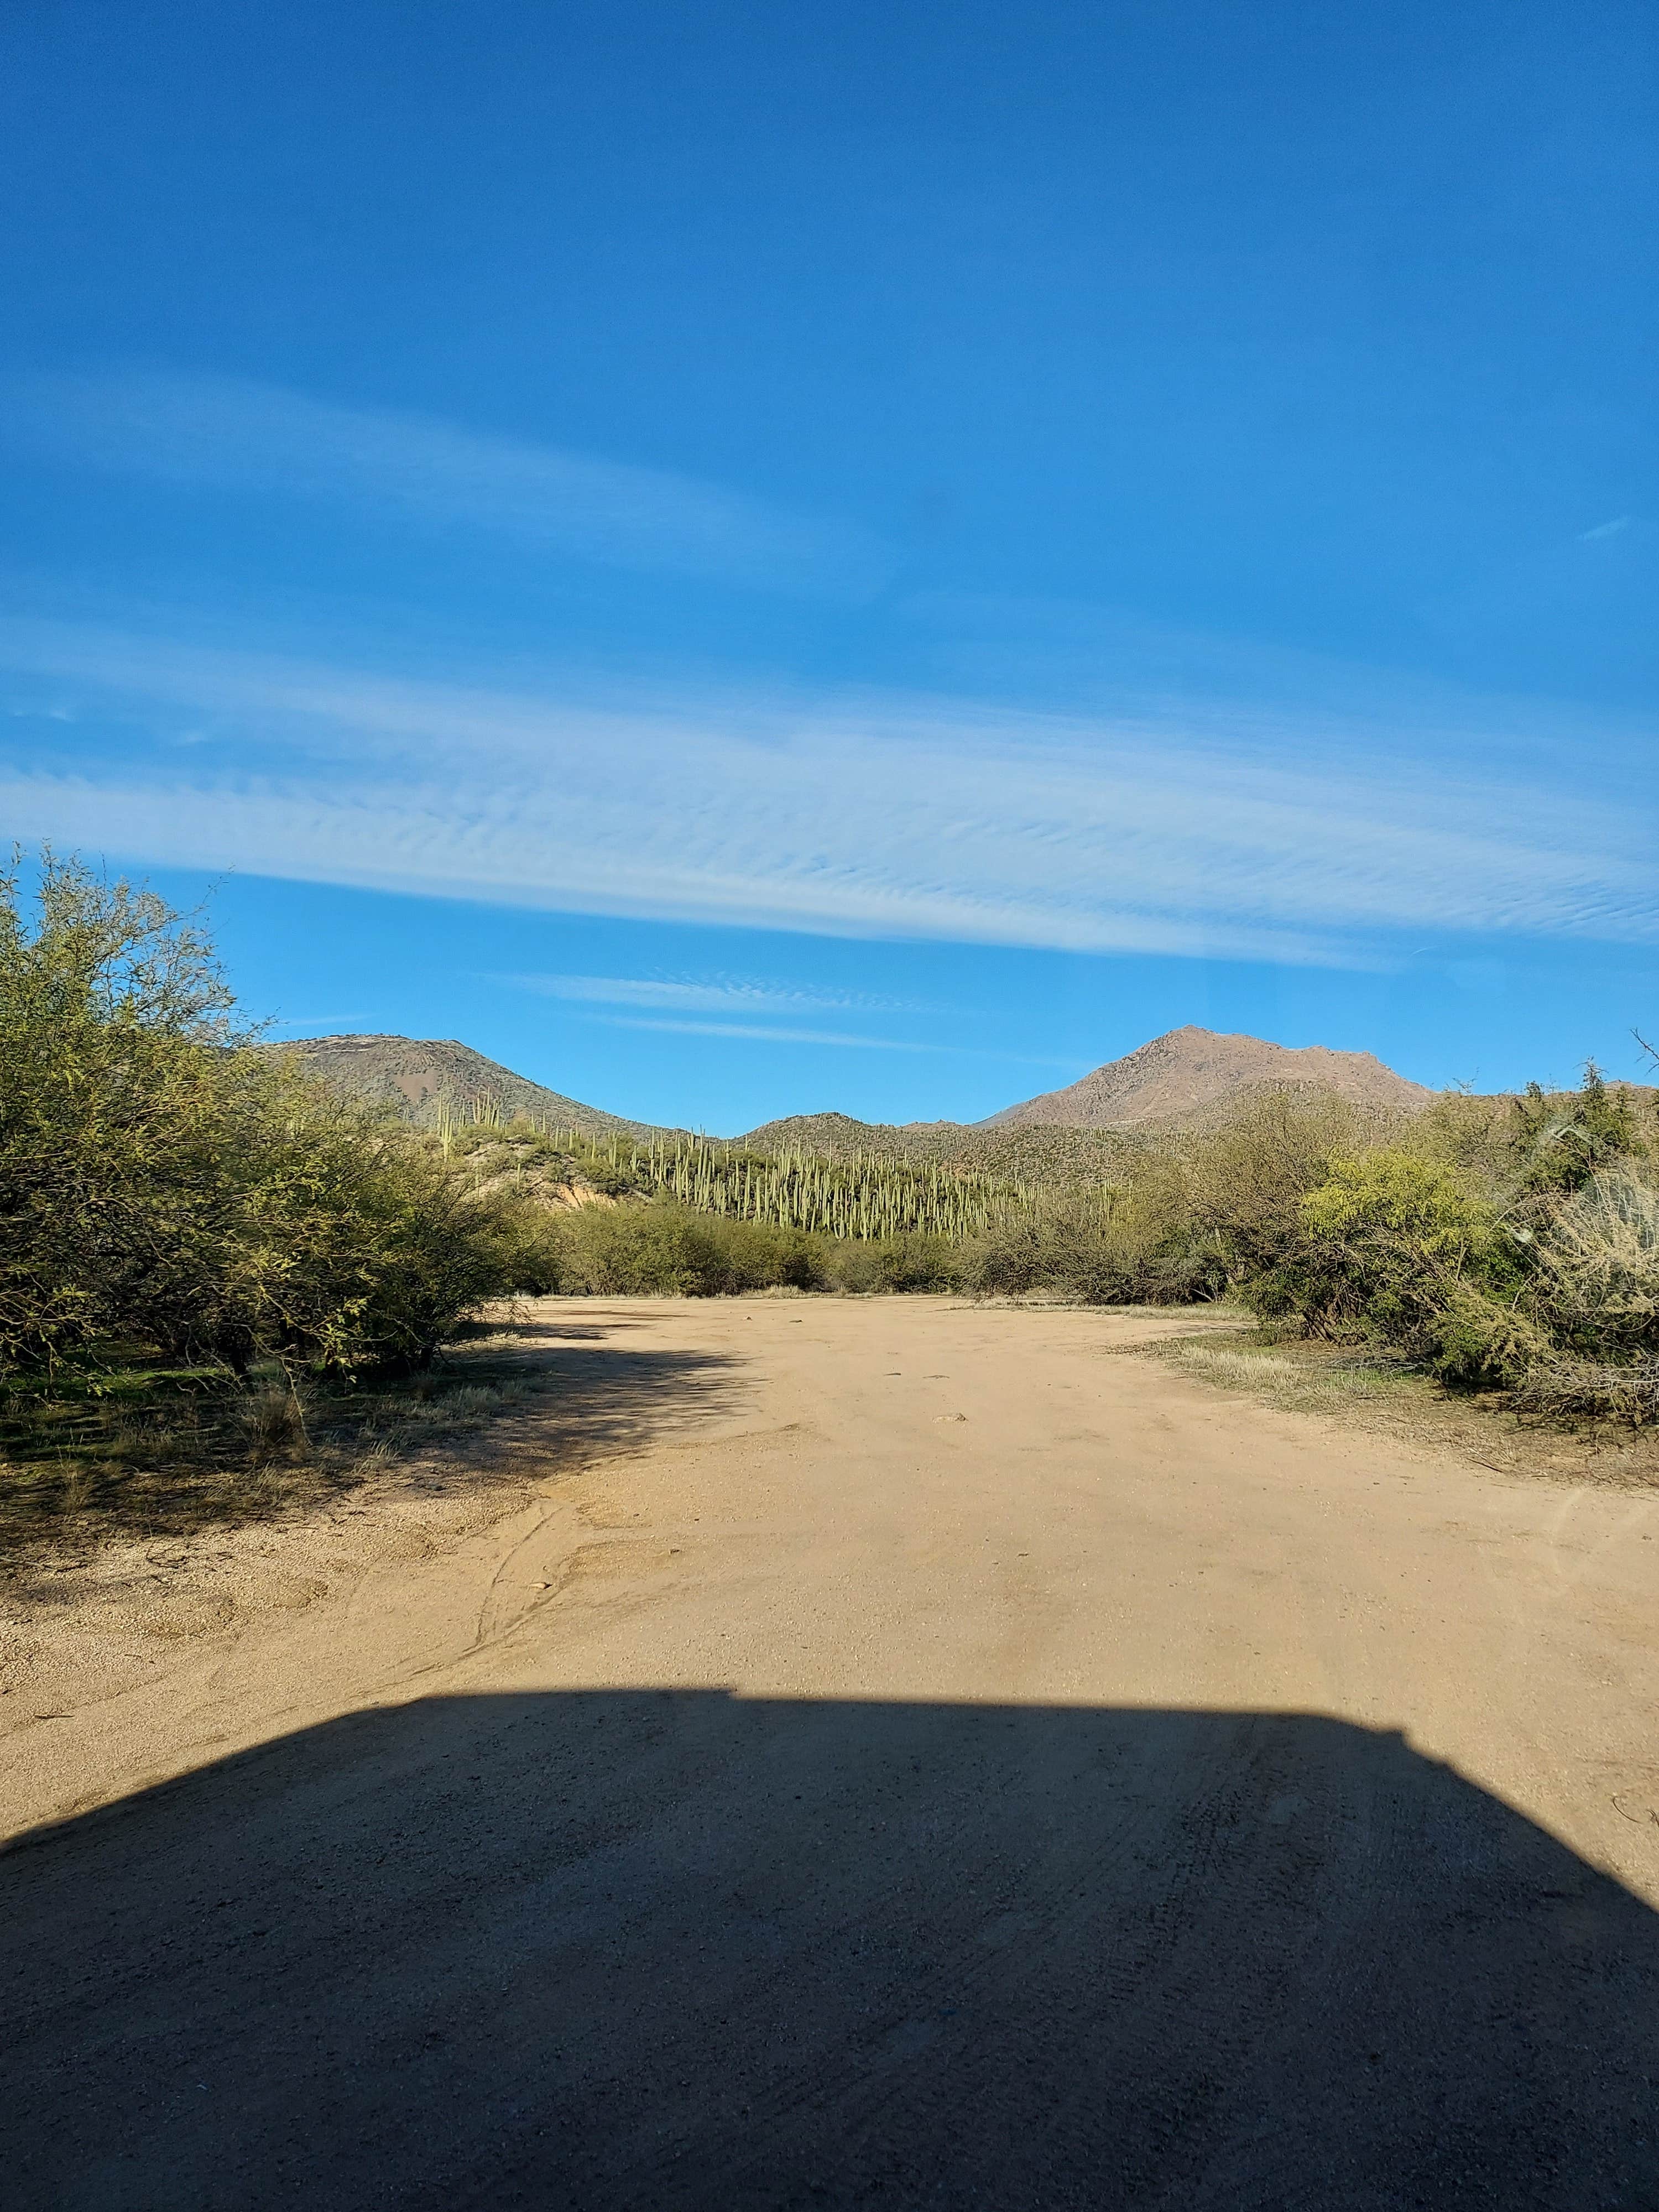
651, 1948
570, 1393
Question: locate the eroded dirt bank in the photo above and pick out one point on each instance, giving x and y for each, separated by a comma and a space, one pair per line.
933, 1761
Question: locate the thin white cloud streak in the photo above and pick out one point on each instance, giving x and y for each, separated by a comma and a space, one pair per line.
766, 1034
872, 817
729, 997
226, 434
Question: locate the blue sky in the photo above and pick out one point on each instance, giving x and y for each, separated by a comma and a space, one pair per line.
748, 559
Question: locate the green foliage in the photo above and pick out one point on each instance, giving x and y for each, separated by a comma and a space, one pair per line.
1558, 1143
1396, 1249
1388, 1199
1473, 1338
354, 1248
665, 1249
1099, 1249
1511, 1248
1187, 1218
113, 1021
1241, 1185
162, 1184
918, 1261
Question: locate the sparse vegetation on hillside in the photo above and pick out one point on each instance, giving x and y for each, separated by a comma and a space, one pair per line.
428, 1083
1034, 1154
863, 1195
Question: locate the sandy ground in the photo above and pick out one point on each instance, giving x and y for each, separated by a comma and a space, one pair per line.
856, 1753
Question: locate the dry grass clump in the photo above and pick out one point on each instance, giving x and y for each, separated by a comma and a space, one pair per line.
1574, 1436
1574, 1389
1300, 1383
273, 1420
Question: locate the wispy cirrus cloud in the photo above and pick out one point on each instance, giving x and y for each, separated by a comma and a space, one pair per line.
866, 814
771, 1034
228, 434
733, 996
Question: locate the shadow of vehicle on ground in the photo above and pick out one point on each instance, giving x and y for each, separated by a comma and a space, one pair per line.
677, 1948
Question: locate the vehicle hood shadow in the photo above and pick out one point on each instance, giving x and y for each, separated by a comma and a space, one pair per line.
653, 1948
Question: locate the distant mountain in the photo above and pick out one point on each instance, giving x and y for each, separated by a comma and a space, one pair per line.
828, 1136
1191, 1073
419, 1079
1188, 1076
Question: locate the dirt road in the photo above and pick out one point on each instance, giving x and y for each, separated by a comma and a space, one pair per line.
937, 1762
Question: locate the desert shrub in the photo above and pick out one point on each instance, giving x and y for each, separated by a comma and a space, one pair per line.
162, 1184
1473, 1337
1558, 1142
1241, 1186
1190, 1218
1388, 1247
1388, 1195
1596, 1279
1512, 1244
865, 1265
356, 1248
1538, 1144
113, 1026
1069, 1248
666, 1249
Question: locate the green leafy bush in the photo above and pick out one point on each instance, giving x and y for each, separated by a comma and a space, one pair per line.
1072, 1248
1388, 1245
358, 1248
1558, 1143
664, 1250
1471, 1337
864, 1266
162, 1184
